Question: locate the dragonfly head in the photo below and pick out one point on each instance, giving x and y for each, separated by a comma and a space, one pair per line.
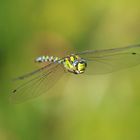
80, 66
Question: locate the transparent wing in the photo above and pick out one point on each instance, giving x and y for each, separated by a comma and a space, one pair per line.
110, 60
37, 82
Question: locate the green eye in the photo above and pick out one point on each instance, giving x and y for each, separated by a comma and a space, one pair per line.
81, 66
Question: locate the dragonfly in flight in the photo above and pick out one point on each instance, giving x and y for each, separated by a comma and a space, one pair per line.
86, 62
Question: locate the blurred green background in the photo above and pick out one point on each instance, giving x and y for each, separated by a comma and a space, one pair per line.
105, 107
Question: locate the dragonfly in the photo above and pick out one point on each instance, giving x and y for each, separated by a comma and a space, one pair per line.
91, 62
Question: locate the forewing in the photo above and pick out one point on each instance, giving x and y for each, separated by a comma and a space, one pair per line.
110, 60
36, 83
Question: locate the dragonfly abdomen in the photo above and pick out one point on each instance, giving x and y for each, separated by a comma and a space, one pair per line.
47, 58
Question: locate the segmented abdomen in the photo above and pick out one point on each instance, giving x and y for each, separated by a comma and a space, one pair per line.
47, 59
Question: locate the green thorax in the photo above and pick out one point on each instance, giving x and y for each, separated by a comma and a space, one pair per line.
75, 64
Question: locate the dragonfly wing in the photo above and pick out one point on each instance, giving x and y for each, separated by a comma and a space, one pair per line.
38, 71
110, 60
37, 83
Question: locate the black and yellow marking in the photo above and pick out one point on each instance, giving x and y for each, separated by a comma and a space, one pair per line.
47, 59
72, 63
75, 64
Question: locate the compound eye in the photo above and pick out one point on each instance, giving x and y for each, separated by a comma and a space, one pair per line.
81, 66
83, 63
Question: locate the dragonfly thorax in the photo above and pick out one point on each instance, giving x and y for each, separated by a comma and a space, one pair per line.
75, 64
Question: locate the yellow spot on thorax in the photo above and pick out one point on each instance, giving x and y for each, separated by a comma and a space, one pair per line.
68, 65
72, 59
